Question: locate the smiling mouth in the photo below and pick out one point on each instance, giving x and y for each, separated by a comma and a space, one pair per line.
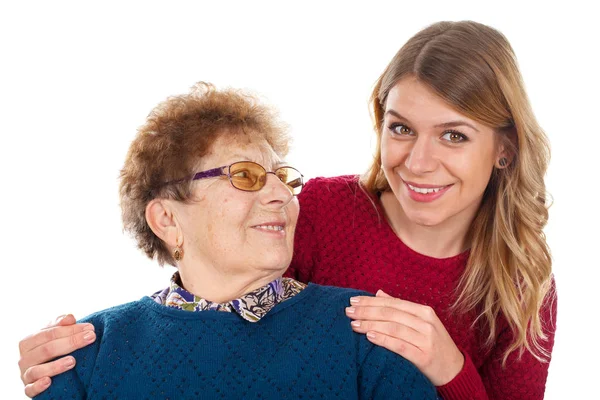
270, 228
425, 190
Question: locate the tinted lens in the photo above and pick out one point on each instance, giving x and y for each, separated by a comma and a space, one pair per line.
247, 176
291, 177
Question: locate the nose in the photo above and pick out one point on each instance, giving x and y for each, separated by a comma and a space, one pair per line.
275, 192
421, 158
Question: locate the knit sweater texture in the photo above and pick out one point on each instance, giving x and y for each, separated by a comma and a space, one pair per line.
303, 348
343, 239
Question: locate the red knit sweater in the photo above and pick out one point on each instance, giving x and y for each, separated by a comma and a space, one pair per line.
343, 239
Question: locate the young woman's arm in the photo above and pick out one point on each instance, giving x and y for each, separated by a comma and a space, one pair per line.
523, 378
424, 342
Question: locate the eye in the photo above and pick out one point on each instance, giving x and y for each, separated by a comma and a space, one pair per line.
244, 175
282, 174
401, 130
241, 174
454, 137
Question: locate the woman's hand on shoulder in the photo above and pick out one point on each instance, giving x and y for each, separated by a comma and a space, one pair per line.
60, 337
411, 330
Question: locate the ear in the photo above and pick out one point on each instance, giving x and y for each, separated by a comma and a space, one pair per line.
503, 158
163, 222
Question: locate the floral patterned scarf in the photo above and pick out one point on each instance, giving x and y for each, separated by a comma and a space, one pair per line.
251, 306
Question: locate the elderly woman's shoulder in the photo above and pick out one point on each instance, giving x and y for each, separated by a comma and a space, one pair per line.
115, 315
335, 294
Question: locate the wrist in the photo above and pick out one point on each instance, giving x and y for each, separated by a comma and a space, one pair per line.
452, 369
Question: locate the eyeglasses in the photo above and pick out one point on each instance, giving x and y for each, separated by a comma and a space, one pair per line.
251, 177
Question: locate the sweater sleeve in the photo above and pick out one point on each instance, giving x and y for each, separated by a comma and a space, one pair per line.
385, 375
305, 242
519, 378
67, 385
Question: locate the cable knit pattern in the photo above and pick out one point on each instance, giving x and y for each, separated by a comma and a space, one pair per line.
303, 348
343, 239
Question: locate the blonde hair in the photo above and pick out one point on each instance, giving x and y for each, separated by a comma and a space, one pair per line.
169, 146
474, 69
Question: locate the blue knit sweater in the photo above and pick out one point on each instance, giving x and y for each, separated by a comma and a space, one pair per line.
302, 349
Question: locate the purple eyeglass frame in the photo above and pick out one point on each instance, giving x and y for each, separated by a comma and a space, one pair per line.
219, 171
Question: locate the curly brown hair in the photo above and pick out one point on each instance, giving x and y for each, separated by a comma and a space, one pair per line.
170, 145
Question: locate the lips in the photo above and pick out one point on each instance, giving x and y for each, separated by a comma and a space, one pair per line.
426, 189
271, 226
425, 193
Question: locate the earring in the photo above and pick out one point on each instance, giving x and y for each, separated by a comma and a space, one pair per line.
503, 162
178, 253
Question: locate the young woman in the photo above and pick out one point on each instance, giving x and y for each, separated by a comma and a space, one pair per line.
448, 223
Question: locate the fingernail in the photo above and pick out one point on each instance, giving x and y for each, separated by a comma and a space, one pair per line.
371, 335
69, 362
354, 300
89, 337
350, 310
60, 318
355, 324
88, 327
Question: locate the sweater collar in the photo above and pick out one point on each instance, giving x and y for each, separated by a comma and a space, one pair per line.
252, 306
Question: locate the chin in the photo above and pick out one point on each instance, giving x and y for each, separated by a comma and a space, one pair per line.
425, 218
278, 263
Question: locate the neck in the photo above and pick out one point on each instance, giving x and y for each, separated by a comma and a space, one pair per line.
220, 286
439, 241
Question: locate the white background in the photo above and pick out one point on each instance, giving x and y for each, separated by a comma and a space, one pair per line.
78, 79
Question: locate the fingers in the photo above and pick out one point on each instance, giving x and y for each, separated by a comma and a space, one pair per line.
384, 300
33, 389
60, 337
386, 314
52, 343
49, 334
391, 329
398, 346
64, 320
56, 367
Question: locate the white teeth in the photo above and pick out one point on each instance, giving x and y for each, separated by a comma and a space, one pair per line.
271, 227
424, 190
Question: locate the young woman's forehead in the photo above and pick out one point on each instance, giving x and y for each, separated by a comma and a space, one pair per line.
415, 102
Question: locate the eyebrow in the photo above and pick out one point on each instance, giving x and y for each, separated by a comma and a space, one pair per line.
449, 124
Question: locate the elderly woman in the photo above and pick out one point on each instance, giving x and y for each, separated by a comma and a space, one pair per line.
205, 188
